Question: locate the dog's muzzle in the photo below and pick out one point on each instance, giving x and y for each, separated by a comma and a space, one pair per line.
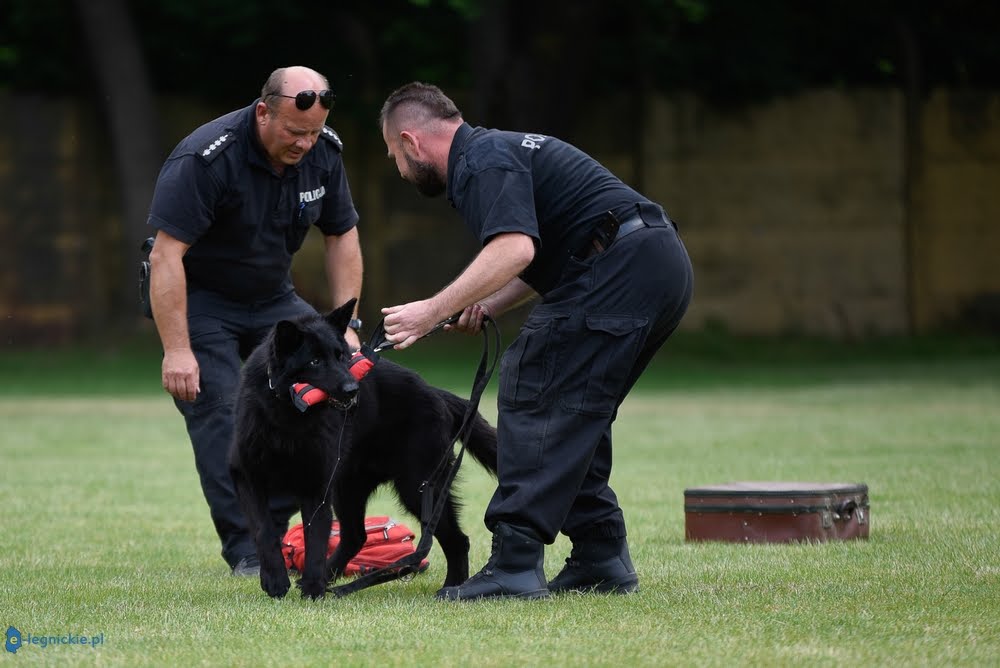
305, 395
347, 397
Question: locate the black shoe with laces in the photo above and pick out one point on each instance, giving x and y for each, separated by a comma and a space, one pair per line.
601, 566
514, 570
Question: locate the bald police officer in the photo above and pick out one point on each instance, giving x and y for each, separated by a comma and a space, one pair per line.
232, 204
615, 281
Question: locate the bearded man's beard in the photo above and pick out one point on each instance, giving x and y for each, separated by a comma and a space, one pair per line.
425, 178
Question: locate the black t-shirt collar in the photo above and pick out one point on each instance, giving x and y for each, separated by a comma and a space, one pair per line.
455, 153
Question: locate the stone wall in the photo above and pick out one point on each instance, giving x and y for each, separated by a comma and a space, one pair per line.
792, 211
832, 212
956, 212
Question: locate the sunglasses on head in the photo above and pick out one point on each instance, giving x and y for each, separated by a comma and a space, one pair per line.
307, 98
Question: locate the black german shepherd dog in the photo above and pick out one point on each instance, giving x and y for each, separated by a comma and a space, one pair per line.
391, 426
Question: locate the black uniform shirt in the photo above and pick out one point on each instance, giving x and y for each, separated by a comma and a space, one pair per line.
218, 192
533, 184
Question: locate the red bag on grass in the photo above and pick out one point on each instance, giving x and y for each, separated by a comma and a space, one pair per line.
387, 542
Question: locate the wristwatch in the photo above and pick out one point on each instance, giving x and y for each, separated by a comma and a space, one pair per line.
355, 324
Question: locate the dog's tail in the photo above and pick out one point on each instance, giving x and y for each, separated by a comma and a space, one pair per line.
482, 441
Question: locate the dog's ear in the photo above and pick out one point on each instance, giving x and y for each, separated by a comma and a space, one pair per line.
287, 338
338, 318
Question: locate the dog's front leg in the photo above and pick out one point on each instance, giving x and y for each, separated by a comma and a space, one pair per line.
317, 538
352, 538
273, 573
254, 501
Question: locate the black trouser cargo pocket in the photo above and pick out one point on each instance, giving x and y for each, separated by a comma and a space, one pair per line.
527, 367
602, 358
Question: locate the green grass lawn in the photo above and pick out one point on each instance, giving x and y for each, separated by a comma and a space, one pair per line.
106, 533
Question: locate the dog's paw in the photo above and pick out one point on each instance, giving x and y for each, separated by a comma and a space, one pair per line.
312, 588
275, 585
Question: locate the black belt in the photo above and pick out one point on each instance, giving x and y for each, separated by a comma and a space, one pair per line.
608, 231
630, 226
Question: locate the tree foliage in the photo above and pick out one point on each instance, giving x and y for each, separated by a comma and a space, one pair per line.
730, 51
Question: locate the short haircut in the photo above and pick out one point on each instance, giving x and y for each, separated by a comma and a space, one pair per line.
416, 103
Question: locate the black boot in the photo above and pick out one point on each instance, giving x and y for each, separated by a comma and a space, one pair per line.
597, 565
514, 570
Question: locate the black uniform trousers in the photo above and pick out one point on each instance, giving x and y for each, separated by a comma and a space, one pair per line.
563, 378
223, 333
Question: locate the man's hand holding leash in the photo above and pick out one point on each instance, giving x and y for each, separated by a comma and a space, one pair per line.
471, 319
406, 323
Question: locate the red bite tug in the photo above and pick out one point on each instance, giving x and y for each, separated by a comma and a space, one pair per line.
305, 395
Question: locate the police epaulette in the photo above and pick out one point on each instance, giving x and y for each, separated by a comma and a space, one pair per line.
331, 135
212, 149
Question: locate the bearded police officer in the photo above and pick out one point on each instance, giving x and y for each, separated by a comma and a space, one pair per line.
615, 281
232, 204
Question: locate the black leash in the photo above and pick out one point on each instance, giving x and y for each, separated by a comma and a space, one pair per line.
434, 491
